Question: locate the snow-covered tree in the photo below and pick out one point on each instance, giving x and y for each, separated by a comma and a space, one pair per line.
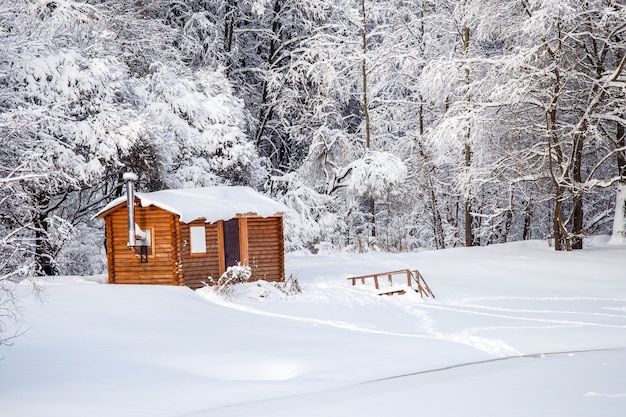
15, 246
395, 124
77, 115
564, 74
195, 118
66, 118
256, 43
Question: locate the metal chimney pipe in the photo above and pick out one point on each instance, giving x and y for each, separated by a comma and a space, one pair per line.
130, 179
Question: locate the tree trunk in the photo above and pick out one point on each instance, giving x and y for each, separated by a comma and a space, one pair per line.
270, 147
469, 230
440, 242
561, 237
372, 218
469, 233
527, 216
428, 168
44, 262
577, 222
618, 235
229, 25
230, 10
577, 213
366, 113
555, 157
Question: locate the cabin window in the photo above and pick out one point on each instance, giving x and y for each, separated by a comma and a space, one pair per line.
144, 243
143, 237
198, 239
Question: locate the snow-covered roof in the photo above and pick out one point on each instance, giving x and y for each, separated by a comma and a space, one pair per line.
209, 203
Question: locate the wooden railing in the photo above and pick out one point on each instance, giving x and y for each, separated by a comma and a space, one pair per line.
411, 276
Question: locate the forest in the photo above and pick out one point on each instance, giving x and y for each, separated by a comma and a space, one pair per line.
391, 125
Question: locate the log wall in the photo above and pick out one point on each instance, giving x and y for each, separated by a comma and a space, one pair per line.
198, 267
171, 261
266, 248
124, 265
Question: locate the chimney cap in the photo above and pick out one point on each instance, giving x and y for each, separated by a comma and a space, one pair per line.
130, 176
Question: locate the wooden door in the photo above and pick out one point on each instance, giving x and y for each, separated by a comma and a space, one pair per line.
231, 242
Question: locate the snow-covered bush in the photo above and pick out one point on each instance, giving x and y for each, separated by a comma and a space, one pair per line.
235, 274
291, 286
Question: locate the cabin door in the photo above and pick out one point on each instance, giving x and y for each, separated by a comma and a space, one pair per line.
231, 242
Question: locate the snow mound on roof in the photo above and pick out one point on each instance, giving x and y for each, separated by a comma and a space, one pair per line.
209, 203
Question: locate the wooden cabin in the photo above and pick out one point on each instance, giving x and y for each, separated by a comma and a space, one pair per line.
183, 237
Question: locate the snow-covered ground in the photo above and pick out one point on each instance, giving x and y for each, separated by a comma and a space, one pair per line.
515, 330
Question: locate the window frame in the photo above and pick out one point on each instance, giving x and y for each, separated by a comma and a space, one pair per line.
138, 249
194, 236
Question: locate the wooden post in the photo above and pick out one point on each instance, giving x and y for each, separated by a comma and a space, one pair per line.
243, 241
176, 255
108, 224
220, 247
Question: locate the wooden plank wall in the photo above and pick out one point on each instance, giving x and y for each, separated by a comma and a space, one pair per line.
266, 248
171, 263
198, 267
124, 266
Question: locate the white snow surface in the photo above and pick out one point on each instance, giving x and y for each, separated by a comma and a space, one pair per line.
209, 203
515, 330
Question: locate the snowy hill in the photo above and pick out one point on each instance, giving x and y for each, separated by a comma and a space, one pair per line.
515, 330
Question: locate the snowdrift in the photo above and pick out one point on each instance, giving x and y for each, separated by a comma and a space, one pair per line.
515, 330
